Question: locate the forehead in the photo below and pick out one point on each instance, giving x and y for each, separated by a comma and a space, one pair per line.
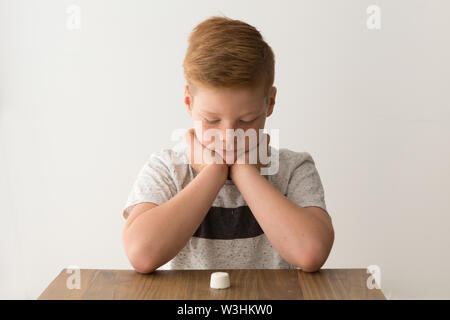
229, 100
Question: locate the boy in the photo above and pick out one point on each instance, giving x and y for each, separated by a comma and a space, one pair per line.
225, 215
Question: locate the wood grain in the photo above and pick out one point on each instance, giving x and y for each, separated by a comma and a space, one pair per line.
246, 284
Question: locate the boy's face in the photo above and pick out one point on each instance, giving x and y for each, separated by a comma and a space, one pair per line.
223, 109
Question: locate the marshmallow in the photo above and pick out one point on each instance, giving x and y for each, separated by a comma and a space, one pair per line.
219, 280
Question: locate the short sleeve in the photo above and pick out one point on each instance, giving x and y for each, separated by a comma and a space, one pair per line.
305, 186
154, 182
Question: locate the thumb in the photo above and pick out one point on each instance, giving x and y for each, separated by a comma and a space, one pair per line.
189, 138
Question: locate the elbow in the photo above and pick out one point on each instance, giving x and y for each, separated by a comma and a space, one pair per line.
314, 259
138, 258
310, 265
141, 263
307, 262
143, 268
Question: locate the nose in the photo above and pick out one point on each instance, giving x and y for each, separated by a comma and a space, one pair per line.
231, 138
227, 136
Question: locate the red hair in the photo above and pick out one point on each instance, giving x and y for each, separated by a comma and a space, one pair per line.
227, 53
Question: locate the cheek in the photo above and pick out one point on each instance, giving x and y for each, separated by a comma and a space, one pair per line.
252, 137
200, 130
202, 127
199, 127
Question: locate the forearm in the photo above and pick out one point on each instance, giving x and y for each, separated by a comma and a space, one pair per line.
158, 235
298, 236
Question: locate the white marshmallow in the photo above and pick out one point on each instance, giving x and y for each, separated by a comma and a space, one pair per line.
219, 280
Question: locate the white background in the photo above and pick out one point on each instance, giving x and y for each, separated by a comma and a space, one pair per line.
82, 110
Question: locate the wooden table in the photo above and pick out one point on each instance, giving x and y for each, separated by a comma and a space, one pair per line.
247, 284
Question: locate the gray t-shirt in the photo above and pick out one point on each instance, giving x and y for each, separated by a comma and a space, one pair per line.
229, 236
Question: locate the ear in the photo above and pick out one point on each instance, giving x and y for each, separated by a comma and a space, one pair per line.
188, 99
273, 93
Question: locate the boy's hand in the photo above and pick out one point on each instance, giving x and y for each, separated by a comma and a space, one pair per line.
244, 159
205, 157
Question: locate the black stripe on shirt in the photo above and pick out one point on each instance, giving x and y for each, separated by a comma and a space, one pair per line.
229, 223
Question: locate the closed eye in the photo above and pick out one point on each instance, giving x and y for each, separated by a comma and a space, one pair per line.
212, 121
242, 121
248, 121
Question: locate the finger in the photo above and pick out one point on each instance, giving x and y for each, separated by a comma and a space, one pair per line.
266, 152
190, 142
188, 135
263, 140
189, 139
198, 146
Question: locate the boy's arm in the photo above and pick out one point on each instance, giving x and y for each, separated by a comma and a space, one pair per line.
155, 236
302, 236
